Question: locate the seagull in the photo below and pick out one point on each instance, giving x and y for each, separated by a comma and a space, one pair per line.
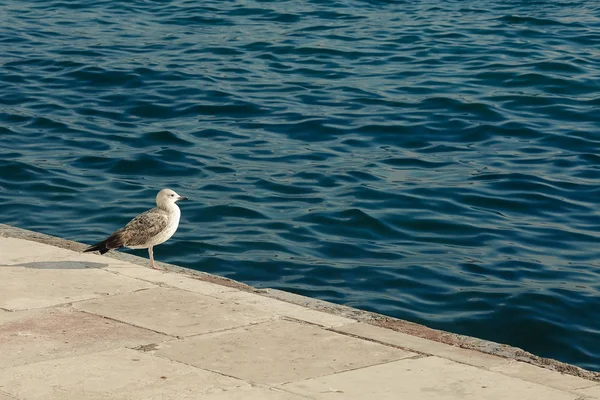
148, 229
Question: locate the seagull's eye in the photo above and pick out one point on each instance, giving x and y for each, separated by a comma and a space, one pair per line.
172, 195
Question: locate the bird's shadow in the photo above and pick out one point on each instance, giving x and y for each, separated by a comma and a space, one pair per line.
60, 265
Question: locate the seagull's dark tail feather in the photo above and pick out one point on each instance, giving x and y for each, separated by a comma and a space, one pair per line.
114, 241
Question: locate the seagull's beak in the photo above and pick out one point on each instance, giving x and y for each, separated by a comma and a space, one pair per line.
182, 198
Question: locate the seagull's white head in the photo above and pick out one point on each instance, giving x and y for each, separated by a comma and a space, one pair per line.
167, 197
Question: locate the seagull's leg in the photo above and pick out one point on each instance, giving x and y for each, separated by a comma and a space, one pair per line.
152, 258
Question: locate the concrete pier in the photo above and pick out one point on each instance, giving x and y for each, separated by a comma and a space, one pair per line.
83, 326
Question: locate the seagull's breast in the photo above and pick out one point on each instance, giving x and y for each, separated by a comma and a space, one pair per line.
152, 228
170, 229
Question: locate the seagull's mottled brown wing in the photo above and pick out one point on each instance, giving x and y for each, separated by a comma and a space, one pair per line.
144, 227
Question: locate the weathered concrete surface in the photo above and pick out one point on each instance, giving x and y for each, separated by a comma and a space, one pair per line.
278, 352
254, 393
285, 309
52, 276
535, 374
438, 336
115, 374
174, 311
25, 288
430, 378
170, 280
37, 335
421, 345
83, 326
590, 393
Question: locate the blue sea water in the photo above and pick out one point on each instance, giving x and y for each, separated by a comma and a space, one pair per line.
436, 161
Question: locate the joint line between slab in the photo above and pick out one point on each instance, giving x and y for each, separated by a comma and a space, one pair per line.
303, 321
158, 284
124, 323
177, 337
105, 296
128, 323
423, 354
354, 369
150, 353
169, 286
277, 317
65, 304
381, 342
285, 390
70, 303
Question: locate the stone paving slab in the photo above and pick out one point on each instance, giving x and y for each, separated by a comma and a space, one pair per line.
283, 308
254, 393
24, 288
428, 378
175, 312
278, 351
421, 345
184, 338
116, 375
171, 279
19, 251
36, 335
550, 378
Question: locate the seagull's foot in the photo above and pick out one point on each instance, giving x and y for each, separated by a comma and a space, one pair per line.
155, 267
